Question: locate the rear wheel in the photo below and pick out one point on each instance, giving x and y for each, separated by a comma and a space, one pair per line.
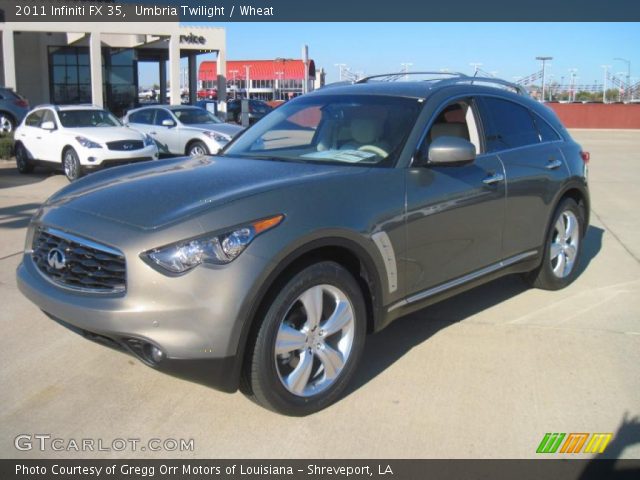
23, 163
562, 249
71, 165
310, 341
7, 123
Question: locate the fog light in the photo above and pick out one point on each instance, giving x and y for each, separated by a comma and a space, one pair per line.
92, 159
157, 355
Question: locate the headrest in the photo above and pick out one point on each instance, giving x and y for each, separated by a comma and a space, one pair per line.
449, 130
365, 130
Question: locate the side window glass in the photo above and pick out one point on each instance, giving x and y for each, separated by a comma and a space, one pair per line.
457, 119
547, 134
144, 117
34, 119
510, 125
162, 115
48, 116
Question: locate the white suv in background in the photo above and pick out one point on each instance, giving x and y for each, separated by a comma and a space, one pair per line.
78, 138
182, 129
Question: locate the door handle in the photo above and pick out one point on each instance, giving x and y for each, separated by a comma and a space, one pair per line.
495, 178
553, 163
153, 133
39, 138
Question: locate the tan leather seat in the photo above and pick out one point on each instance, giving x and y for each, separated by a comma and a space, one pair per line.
449, 130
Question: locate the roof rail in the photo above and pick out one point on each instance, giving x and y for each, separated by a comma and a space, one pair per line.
451, 78
392, 77
519, 89
45, 105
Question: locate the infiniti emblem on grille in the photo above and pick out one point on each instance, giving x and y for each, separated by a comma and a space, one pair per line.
56, 259
127, 146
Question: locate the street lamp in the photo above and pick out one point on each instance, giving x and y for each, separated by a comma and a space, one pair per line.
279, 89
247, 80
405, 68
235, 85
628, 62
476, 66
572, 93
544, 61
340, 67
604, 83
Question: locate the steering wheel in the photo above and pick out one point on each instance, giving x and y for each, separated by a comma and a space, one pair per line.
373, 149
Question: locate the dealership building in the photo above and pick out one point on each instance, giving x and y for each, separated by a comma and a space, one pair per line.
97, 63
277, 79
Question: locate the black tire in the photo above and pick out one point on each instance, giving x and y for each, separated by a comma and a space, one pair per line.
71, 165
197, 148
23, 163
544, 277
264, 382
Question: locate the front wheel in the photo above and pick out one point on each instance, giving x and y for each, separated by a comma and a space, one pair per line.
562, 248
197, 148
71, 165
310, 341
22, 159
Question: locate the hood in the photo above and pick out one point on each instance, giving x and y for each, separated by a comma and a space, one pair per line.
223, 128
105, 134
153, 194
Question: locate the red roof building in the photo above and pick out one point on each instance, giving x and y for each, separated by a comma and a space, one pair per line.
276, 79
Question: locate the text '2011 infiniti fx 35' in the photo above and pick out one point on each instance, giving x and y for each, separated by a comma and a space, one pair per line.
263, 268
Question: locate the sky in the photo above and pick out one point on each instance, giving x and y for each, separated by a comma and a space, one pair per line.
506, 48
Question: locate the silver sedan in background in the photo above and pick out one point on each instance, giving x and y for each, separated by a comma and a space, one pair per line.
182, 129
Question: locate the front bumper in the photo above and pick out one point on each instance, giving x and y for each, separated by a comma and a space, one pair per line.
198, 341
93, 158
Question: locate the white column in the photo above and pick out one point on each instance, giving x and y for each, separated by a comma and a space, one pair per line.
95, 60
174, 69
9, 59
221, 66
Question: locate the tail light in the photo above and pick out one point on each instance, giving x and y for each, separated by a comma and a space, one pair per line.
21, 102
586, 156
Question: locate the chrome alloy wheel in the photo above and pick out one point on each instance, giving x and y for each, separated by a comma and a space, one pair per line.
564, 244
314, 340
70, 166
197, 150
6, 125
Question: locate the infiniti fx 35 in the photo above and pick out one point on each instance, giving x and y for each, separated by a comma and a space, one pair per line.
263, 268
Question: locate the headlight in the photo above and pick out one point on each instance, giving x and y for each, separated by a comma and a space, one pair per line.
219, 249
218, 137
148, 140
86, 143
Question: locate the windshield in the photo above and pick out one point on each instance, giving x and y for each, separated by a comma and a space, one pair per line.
349, 129
195, 116
87, 118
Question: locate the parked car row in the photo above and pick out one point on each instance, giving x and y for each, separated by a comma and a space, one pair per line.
82, 138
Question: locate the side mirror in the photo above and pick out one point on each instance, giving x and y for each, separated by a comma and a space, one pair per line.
451, 151
167, 122
48, 125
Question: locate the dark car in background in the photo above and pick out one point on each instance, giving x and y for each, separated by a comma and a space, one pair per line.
13, 109
264, 267
257, 110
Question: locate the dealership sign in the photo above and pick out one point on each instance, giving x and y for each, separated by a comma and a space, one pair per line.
193, 39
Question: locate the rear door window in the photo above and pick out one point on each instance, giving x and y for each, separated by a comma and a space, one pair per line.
508, 125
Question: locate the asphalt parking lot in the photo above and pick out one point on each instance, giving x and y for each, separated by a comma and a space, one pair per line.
483, 375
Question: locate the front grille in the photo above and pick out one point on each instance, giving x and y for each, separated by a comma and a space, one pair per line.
125, 145
77, 263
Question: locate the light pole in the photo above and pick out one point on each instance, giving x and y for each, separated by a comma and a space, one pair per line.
279, 75
604, 83
572, 93
247, 80
544, 62
340, 68
235, 85
628, 62
405, 68
476, 66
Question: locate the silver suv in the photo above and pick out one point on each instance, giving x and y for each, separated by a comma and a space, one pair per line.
266, 266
